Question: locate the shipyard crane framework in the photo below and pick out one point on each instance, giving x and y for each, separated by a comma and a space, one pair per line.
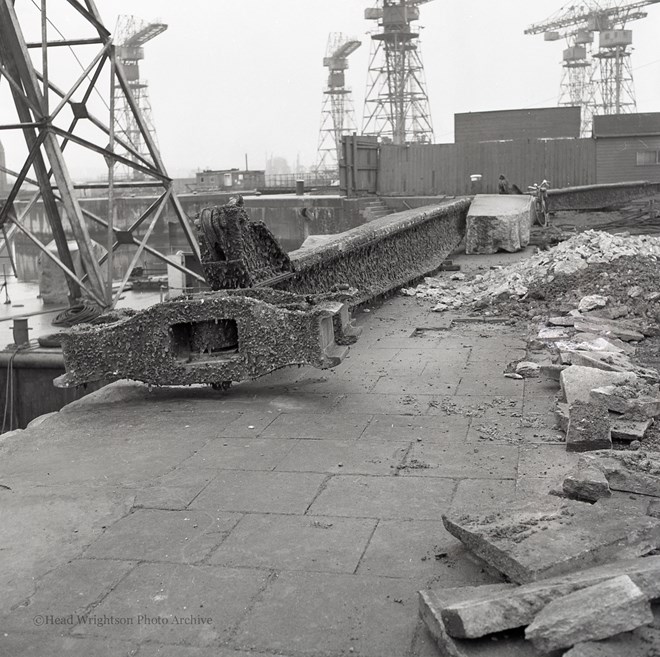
599, 81
337, 113
131, 34
54, 114
396, 106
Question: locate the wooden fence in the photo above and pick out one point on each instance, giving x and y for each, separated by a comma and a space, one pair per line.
446, 168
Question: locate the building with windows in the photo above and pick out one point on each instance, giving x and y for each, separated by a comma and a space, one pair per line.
230, 180
627, 147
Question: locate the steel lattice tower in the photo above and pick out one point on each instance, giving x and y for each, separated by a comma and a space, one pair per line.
337, 113
617, 88
599, 79
578, 84
396, 106
131, 35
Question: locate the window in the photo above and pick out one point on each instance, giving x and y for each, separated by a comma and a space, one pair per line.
648, 158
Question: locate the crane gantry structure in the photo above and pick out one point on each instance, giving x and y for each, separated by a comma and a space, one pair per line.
596, 77
337, 113
131, 34
396, 106
60, 106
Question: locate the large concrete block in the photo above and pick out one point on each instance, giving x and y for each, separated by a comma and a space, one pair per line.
589, 484
498, 223
588, 428
471, 612
597, 612
628, 472
512, 645
577, 382
528, 542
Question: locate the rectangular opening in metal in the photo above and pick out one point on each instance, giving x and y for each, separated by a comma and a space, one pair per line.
208, 340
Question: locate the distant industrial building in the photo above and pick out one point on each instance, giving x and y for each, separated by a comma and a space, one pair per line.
505, 125
627, 147
527, 146
230, 180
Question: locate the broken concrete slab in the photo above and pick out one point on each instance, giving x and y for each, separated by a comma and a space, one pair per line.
528, 542
601, 360
629, 430
629, 472
595, 342
589, 484
498, 223
577, 382
471, 612
627, 399
605, 317
607, 361
588, 428
507, 645
611, 327
596, 612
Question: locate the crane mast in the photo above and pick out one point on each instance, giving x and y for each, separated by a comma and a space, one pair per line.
337, 113
131, 36
597, 75
396, 106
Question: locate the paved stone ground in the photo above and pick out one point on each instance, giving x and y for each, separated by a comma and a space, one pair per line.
299, 513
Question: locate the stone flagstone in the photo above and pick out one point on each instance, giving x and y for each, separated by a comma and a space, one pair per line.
535, 540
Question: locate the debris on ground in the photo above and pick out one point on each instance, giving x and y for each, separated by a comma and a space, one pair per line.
591, 263
472, 612
629, 472
579, 559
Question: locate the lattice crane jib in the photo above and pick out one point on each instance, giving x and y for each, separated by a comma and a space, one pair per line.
397, 107
57, 115
337, 113
131, 34
597, 71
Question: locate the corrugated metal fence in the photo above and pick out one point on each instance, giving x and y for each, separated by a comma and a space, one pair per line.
446, 168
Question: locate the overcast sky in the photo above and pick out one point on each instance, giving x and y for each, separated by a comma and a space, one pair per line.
231, 77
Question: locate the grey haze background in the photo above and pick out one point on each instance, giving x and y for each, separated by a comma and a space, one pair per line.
231, 77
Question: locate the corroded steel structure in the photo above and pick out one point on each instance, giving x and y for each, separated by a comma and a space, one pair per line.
283, 309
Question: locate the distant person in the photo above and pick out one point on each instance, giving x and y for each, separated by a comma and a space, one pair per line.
505, 187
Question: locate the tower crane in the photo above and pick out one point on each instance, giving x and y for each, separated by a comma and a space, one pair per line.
596, 77
396, 106
131, 36
337, 114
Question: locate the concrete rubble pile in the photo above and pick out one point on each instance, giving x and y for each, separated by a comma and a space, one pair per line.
582, 578
571, 256
581, 564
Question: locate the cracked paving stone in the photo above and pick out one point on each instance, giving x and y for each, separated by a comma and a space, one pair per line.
154, 535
